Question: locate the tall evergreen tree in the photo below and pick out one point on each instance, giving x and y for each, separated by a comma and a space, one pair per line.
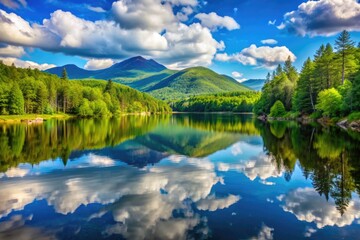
64, 75
345, 47
290, 70
16, 101
304, 99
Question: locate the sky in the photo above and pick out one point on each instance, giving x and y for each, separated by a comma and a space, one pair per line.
241, 38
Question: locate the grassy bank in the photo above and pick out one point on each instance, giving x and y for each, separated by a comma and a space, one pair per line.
19, 118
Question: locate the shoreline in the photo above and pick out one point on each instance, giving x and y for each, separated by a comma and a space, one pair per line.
32, 117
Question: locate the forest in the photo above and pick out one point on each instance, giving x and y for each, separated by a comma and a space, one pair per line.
221, 102
28, 91
328, 85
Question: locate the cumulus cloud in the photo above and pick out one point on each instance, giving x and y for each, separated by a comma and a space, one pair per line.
261, 167
211, 203
143, 14
15, 228
215, 22
13, 4
265, 56
68, 190
236, 74
26, 64
179, 45
265, 233
323, 18
11, 51
269, 41
307, 205
95, 64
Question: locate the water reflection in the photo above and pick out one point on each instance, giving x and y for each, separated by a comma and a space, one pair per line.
178, 177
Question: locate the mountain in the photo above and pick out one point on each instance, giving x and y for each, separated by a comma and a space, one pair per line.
255, 84
195, 81
149, 76
72, 70
127, 68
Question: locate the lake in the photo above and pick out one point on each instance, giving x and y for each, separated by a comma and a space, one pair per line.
200, 176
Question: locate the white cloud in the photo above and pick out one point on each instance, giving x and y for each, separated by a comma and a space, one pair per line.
261, 167
269, 41
95, 9
179, 46
309, 232
307, 205
271, 22
211, 203
11, 51
323, 18
215, 22
13, 4
236, 74
264, 56
143, 14
265, 233
95, 64
26, 64
183, 14
17, 228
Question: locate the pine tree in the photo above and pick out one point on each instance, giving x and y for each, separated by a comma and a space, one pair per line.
290, 70
304, 99
268, 78
345, 47
16, 101
64, 75
279, 70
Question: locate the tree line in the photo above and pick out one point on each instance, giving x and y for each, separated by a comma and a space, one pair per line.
221, 102
28, 91
327, 86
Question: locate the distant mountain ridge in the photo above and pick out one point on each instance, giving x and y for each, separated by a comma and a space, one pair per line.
255, 84
152, 77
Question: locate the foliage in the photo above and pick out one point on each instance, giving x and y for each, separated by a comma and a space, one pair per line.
26, 91
330, 83
354, 116
221, 102
278, 109
329, 102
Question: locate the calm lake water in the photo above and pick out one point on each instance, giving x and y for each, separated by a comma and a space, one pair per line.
178, 177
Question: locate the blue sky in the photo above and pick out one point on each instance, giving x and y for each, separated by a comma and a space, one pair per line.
224, 35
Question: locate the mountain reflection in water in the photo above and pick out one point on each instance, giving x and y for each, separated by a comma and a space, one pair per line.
178, 177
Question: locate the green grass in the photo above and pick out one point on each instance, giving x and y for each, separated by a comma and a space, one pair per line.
19, 118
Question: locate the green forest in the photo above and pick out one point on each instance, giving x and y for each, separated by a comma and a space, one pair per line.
221, 102
28, 91
327, 86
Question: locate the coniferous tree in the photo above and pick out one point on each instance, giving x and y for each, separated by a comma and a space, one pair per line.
64, 75
290, 70
345, 48
16, 101
304, 99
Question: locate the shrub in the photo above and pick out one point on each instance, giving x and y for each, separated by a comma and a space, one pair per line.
278, 109
354, 116
329, 102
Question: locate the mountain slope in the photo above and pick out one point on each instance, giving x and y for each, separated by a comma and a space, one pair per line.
194, 81
255, 84
130, 68
73, 71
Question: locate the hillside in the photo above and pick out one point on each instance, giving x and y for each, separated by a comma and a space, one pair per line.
26, 91
150, 76
194, 81
255, 84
